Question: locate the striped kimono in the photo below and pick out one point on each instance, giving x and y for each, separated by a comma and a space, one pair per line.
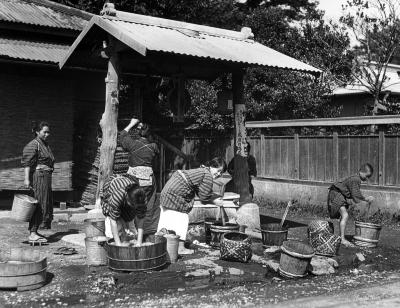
177, 198
38, 156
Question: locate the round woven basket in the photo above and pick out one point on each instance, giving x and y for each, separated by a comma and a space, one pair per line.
325, 244
236, 246
319, 226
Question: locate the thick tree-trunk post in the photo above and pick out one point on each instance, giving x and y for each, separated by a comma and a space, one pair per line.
108, 124
241, 170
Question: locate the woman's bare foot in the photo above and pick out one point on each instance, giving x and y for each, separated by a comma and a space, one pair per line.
347, 243
184, 251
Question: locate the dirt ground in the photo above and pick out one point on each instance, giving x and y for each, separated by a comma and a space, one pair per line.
187, 283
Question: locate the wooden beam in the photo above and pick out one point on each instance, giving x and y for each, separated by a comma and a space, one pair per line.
108, 123
241, 169
351, 121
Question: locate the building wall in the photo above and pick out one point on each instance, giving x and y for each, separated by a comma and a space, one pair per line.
29, 93
352, 105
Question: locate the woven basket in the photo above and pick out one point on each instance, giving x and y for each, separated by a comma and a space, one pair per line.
236, 246
319, 226
325, 244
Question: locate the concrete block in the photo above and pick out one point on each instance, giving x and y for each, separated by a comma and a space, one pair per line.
78, 217
61, 217
306, 195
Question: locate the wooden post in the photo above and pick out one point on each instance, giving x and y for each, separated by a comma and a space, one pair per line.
241, 171
108, 123
381, 153
335, 157
296, 156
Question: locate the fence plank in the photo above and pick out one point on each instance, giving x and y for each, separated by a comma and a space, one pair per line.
303, 158
343, 161
390, 157
296, 156
381, 179
262, 155
335, 158
320, 161
329, 177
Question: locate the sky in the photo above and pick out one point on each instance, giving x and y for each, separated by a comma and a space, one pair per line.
332, 8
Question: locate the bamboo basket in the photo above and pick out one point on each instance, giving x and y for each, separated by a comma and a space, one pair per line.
236, 246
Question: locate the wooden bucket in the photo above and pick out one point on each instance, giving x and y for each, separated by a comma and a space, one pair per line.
366, 234
217, 230
95, 227
273, 234
132, 259
295, 259
207, 229
96, 253
25, 271
23, 207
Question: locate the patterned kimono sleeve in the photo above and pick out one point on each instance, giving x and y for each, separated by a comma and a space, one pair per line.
115, 199
30, 154
355, 192
205, 187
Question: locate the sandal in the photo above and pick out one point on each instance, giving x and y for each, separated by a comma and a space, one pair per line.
66, 251
37, 239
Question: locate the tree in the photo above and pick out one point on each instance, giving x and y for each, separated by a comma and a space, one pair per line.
376, 27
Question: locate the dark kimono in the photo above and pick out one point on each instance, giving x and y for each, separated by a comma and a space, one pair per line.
38, 156
141, 153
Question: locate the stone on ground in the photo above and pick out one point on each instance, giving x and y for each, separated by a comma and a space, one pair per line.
75, 239
321, 266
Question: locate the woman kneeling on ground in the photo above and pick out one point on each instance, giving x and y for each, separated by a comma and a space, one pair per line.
177, 197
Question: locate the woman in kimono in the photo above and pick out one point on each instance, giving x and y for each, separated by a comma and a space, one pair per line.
177, 197
38, 162
141, 154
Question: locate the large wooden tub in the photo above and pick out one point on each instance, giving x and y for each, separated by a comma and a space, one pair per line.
23, 270
153, 257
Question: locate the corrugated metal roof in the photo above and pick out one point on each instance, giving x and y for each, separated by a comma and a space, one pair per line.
42, 13
32, 51
144, 35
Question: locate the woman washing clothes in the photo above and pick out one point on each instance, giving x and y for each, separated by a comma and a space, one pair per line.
122, 201
38, 162
141, 154
177, 197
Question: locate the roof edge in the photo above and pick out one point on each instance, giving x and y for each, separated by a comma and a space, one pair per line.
62, 8
110, 28
174, 24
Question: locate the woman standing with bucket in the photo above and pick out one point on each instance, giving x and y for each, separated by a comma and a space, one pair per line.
38, 161
140, 159
177, 197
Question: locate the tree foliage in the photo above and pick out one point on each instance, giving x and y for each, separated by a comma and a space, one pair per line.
376, 27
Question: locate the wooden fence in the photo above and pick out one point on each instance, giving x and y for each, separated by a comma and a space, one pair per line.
312, 158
